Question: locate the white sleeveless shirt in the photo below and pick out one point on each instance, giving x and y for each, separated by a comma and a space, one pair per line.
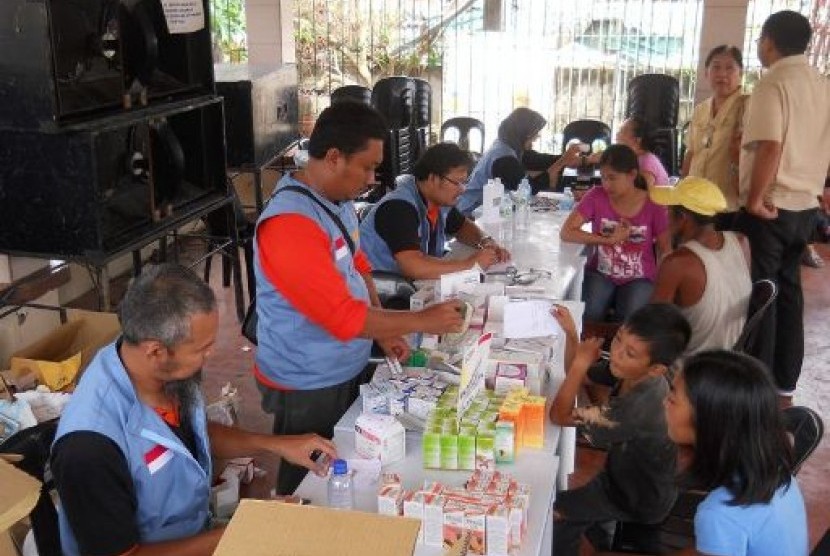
718, 317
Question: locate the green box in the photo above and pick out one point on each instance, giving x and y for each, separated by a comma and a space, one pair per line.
505, 442
485, 451
449, 451
467, 449
431, 446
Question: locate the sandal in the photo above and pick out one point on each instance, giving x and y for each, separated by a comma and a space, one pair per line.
811, 258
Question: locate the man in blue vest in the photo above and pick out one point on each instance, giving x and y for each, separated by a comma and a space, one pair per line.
317, 307
407, 229
132, 454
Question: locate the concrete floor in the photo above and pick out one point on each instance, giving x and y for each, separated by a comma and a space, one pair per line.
232, 360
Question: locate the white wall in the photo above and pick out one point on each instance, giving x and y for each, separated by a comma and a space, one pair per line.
270, 27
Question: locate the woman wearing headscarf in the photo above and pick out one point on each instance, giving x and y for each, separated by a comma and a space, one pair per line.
510, 158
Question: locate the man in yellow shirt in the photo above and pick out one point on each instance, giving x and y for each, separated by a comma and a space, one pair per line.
785, 154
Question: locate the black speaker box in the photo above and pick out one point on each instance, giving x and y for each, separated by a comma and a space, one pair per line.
63, 60
92, 189
260, 110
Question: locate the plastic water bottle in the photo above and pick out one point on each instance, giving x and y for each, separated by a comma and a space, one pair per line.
507, 219
567, 202
341, 493
523, 194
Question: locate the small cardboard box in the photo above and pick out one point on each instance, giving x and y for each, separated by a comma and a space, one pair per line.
267, 528
380, 437
510, 376
18, 496
58, 358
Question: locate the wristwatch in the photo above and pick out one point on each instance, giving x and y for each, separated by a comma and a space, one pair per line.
486, 241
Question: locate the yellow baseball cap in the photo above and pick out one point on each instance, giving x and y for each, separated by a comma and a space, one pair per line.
698, 195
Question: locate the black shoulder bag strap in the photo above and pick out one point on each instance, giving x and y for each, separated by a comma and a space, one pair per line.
249, 324
334, 217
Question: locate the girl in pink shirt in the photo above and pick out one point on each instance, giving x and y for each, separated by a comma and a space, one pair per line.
625, 228
637, 134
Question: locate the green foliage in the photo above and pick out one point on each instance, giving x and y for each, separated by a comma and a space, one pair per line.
228, 28
343, 42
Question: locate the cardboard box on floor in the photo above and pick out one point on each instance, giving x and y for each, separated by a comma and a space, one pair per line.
17, 499
268, 528
58, 359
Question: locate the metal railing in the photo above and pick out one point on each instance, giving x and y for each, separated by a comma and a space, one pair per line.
817, 11
567, 60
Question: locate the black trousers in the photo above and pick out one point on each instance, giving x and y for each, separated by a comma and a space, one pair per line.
585, 510
305, 411
777, 246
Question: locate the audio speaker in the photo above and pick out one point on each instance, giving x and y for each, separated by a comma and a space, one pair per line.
260, 110
62, 60
91, 189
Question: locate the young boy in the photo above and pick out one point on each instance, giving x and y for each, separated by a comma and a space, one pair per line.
637, 483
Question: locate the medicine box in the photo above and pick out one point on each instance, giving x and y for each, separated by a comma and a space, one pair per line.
380, 437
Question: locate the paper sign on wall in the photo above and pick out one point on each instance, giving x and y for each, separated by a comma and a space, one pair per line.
473, 368
183, 16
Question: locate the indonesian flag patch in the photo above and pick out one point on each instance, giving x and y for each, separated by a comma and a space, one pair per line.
340, 248
157, 458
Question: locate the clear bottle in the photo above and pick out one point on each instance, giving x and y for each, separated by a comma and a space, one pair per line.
507, 219
523, 195
567, 202
340, 490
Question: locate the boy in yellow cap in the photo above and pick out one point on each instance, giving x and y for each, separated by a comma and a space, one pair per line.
707, 275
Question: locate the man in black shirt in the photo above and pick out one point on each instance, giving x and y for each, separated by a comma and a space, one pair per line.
407, 230
132, 454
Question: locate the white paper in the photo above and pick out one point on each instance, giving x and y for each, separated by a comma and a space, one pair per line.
183, 16
529, 319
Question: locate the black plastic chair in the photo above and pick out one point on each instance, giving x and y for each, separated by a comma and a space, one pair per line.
761, 298
463, 126
586, 131
394, 97
421, 126
655, 97
807, 429
352, 92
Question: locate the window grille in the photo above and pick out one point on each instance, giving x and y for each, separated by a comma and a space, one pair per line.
567, 60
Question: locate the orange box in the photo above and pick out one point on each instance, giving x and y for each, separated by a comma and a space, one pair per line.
533, 417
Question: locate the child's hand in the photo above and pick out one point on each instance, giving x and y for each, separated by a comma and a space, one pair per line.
587, 353
565, 319
620, 233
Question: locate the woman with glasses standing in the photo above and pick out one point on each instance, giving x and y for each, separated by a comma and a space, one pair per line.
406, 231
713, 141
510, 158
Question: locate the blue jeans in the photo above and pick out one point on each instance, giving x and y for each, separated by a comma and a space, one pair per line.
599, 293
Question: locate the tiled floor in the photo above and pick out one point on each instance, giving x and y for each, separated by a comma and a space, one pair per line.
232, 359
